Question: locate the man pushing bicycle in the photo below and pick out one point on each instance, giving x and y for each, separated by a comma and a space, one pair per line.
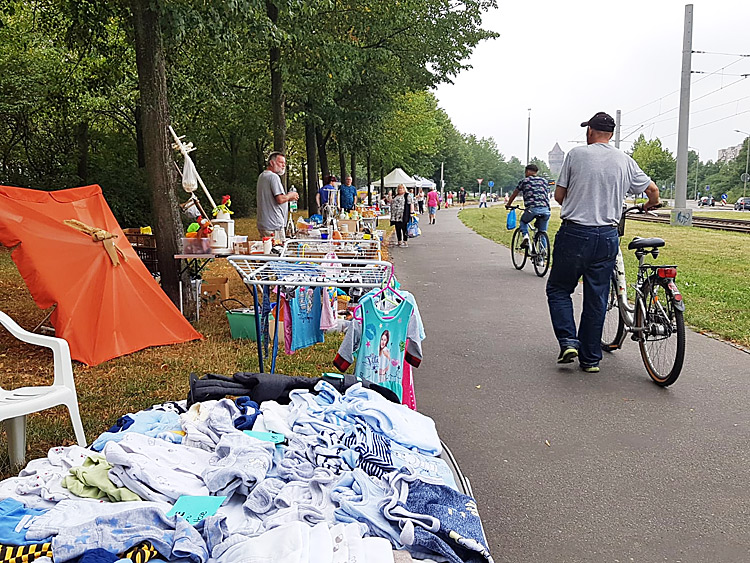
591, 188
535, 200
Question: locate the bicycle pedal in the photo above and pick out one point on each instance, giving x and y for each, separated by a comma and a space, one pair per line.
634, 337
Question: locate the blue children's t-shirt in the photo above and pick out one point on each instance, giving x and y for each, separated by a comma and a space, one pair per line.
305, 306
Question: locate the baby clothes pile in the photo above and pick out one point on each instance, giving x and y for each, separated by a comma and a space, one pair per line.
328, 477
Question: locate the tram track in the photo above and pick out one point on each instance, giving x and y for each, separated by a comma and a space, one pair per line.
716, 223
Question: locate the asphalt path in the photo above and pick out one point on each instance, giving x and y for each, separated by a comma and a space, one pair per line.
568, 466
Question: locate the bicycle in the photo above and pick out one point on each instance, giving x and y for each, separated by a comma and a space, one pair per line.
655, 319
538, 249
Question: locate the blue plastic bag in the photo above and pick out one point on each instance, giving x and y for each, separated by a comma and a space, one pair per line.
412, 228
510, 223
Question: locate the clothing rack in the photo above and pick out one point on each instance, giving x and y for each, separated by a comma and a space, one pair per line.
367, 249
296, 271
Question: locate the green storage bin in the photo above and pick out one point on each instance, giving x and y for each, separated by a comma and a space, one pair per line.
242, 321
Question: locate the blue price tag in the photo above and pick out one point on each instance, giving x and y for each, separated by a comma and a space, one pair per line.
273, 437
195, 509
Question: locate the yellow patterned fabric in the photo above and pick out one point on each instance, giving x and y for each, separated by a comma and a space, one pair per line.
24, 553
141, 553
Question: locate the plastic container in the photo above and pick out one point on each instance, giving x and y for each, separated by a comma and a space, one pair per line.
196, 245
242, 321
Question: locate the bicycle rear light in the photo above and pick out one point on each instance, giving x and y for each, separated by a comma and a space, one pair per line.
669, 273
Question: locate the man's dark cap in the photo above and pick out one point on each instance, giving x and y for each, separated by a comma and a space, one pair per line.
600, 122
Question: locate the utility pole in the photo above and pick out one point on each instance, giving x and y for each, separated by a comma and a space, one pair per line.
528, 139
680, 214
618, 116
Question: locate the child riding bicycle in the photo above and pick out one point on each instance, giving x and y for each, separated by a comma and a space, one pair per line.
535, 200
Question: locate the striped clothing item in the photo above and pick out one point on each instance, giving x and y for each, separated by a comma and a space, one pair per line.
373, 451
141, 553
24, 553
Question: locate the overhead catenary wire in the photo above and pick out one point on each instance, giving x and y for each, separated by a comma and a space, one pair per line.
717, 53
710, 122
648, 121
707, 74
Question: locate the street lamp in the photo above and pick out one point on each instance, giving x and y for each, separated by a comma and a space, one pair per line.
747, 161
697, 161
528, 139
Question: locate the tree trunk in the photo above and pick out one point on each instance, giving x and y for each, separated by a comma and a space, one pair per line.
234, 155
312, 173
369, 179
353, 169
382, 182
278, 98
152, 85
342, 161
139, 136
82, 142
260, 162
322, 152
303, 189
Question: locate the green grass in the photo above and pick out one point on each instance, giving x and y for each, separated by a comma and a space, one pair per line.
141, 379
712, 265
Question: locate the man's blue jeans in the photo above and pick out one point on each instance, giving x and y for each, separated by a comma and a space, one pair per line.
541, 214
589, 252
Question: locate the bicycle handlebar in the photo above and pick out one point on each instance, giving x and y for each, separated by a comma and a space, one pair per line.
641, 208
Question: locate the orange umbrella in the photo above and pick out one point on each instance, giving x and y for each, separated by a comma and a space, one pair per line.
72, 252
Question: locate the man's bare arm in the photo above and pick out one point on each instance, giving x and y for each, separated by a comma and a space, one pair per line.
560, 193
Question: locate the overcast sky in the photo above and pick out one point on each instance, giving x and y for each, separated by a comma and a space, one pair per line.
567, 60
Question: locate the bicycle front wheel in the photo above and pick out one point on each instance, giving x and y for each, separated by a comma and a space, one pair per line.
614, 326
662, 341
518, 254
542, 250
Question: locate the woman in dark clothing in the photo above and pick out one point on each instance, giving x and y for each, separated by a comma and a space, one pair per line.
402, 208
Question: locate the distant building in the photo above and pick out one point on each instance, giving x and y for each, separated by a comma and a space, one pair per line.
729, 153
556, 157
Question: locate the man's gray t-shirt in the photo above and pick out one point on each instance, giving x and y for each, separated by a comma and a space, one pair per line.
270, 215
597, 178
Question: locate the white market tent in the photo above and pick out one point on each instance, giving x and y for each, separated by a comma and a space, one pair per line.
424, 183
396, 177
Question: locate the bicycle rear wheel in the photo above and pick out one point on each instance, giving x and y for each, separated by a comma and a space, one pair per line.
614, 326
518, 254
662, 341
542, 250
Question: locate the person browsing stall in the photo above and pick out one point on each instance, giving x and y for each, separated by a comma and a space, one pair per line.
592, 186
348, 195
535, 201
326, 192
271, 199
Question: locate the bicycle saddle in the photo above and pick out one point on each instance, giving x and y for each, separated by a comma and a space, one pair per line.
638, 242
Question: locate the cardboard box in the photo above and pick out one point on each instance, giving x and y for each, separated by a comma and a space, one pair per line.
241, 247
215, 288
352, 226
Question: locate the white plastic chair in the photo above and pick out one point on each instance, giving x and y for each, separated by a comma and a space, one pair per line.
17, 403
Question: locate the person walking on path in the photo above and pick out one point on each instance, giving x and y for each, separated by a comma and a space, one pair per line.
462, 197
592, 186
402, 208
271, 200
483, 200
420, 201
535, 201
432, 204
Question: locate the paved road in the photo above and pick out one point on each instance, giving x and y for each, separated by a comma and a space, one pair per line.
632, 472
